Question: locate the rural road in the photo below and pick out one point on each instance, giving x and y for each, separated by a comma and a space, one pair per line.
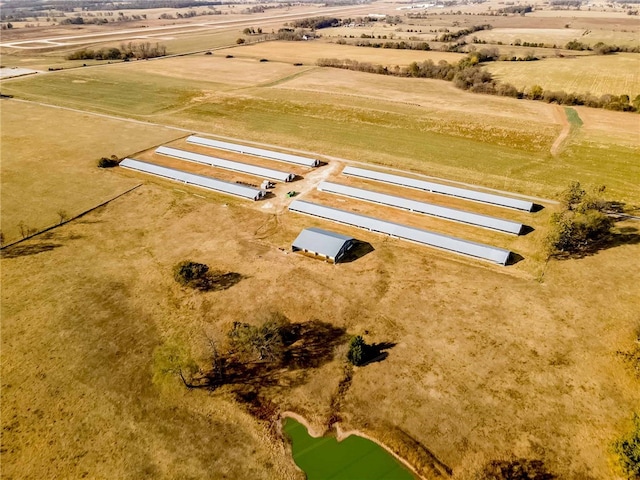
561, 117
276, 147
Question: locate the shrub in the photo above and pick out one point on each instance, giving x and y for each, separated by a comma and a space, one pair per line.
190, 274
356, 353
627, 449
105, 162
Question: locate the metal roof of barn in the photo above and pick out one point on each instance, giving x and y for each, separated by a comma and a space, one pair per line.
193, 179
226, 164
321, 241
441, 189
445, 242
423, 207
257, 152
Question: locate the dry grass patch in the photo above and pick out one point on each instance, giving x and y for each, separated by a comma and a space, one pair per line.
615, 74
483, 358
47, 170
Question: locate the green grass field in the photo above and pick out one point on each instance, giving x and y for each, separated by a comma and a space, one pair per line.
354, 457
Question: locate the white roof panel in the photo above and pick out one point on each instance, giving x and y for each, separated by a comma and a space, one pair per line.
324, 242
438, 188
423, 207
192, 179
226, 164
445, 242
257, 152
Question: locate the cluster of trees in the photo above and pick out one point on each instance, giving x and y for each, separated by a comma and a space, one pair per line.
451, 36
583, 223
516, 9
252, 31
401, 45
317, 23
126, 51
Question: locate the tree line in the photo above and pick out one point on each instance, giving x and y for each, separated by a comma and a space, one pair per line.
126, 51
468, 75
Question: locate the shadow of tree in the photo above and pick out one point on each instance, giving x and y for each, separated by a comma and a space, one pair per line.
222, 281
307, 345
24, 250
624, 236
378, 353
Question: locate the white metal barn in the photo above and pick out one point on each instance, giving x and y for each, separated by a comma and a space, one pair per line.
323, 243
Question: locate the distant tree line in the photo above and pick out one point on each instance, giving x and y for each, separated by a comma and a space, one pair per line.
451, 36
468, 75
317, 23
519, 9
126, 51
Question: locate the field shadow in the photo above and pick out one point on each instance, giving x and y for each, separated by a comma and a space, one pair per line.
514, 258
219, 281
306, 346
359, 250
526, 230
24, 250
624, 236
297, 178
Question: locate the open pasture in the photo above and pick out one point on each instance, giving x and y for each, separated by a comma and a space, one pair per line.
615, 74
548, 36
481, 355
46, 170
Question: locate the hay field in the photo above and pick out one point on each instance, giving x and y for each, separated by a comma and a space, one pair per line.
615, 74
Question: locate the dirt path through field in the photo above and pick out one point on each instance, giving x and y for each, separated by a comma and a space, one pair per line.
561, 117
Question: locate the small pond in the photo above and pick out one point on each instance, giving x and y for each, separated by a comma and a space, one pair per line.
354, 458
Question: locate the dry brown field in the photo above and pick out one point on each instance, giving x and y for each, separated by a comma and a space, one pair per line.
581, 75
46, 170
486, 362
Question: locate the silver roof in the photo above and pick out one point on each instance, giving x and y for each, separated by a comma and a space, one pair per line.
457, 245
423, 207
192, 179
226, 164
257, 152
438, 188
320, 241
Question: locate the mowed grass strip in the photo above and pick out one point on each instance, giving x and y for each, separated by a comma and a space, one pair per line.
617, 74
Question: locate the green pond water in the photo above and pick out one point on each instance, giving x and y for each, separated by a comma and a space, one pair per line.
354, 458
